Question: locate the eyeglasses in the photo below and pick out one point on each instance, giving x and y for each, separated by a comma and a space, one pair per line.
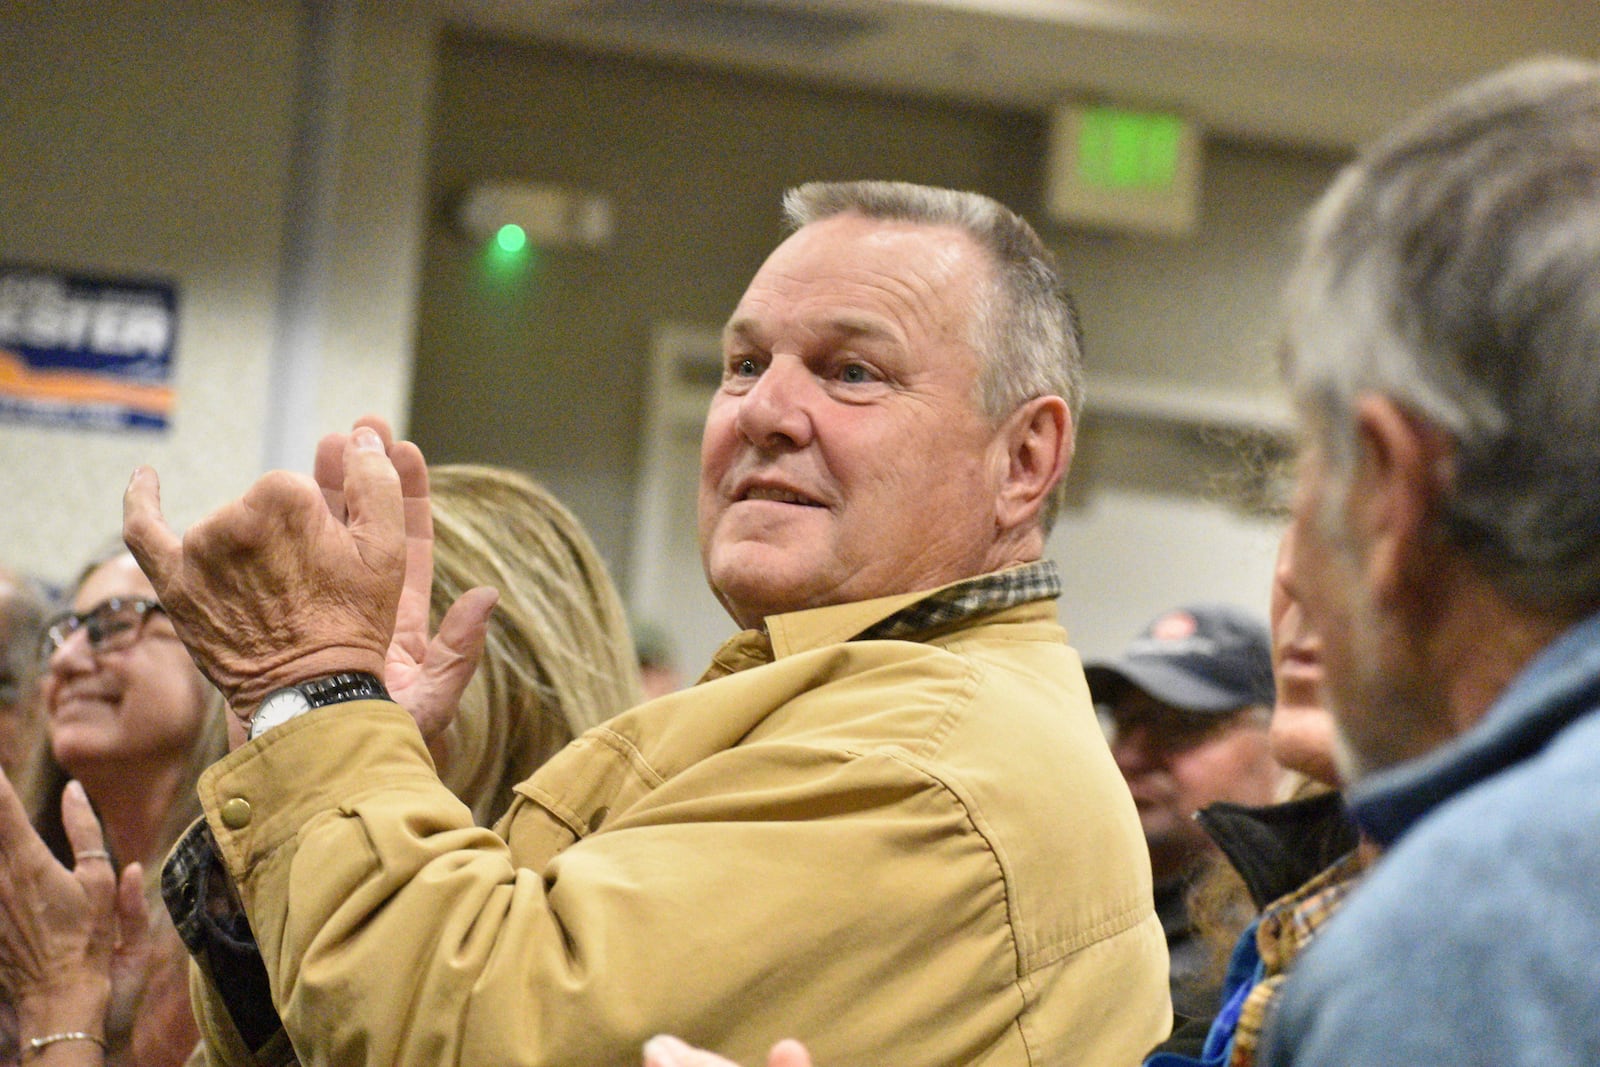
111, 625
1172, 730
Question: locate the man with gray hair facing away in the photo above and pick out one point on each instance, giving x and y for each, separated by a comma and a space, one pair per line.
1443, 351
886, 821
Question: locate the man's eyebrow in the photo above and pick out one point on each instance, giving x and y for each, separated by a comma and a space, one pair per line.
868, 326
737, 329
841, 324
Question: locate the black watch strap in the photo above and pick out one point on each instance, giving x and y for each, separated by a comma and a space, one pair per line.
338, 688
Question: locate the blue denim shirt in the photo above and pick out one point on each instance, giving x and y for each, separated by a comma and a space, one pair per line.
1476, 939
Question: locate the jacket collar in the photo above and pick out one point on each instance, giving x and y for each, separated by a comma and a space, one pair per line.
1277, 848
905, 616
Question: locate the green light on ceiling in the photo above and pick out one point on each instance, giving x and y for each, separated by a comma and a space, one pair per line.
511, 238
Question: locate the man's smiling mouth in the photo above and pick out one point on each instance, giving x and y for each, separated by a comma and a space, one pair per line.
780, 496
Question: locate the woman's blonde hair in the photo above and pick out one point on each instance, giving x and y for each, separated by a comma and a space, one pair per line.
559, 656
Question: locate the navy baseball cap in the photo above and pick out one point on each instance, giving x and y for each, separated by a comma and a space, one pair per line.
1204, 657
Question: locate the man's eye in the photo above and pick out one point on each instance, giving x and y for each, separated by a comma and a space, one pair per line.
854, 374
744, 368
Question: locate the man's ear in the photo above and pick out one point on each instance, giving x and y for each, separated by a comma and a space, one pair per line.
1394, 498
1037, 439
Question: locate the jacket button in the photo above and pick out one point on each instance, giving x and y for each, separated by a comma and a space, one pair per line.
236, 813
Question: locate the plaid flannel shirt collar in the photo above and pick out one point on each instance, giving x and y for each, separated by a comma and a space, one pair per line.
903, 617
1290, 923
983, 595
1287, 926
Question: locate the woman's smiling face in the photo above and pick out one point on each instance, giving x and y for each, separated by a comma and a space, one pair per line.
141, 704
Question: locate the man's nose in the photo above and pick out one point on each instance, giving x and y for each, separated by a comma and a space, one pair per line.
776, 411
1135, 748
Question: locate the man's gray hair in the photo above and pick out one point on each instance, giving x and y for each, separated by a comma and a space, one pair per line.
1025, 328
1455, 268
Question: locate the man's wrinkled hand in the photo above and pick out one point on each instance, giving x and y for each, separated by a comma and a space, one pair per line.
274, 588
424, 673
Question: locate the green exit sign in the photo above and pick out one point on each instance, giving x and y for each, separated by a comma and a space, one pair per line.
1111, 166
1131, 150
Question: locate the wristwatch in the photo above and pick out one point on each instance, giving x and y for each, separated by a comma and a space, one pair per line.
284, 704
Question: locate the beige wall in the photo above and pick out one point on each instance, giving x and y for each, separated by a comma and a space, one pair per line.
152, 139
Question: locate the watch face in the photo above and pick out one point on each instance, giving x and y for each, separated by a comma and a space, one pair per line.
278, 708
282, 705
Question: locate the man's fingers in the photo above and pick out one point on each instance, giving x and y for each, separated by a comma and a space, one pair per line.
378, 425
413, 472
145, 531
467, 621
328, 470
449, 662
372, 493
411, 621
667, 1051
789, 1053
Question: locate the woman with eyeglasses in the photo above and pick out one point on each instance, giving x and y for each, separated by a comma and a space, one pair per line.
131, 723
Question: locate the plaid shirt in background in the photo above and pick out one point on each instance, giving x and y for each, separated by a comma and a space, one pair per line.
1288, 925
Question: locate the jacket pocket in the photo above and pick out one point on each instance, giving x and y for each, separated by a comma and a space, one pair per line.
577, 793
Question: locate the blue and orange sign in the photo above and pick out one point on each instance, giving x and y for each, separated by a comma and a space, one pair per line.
85, 352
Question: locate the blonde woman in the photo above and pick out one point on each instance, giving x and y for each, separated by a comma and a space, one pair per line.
558, 657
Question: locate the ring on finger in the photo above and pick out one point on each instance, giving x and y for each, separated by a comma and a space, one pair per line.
92, 854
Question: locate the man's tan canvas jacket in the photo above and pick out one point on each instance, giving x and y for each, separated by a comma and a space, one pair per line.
903, 852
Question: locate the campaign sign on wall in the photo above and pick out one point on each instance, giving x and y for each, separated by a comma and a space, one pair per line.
85, 352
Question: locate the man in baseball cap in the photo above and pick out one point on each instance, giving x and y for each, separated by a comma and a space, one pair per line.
1186, 707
